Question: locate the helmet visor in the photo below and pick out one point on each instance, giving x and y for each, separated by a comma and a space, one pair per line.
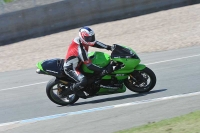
89, 38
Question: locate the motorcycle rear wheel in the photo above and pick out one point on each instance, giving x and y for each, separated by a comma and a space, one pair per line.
141, 81
51, 91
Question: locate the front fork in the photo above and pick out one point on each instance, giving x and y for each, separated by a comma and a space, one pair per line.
136, 77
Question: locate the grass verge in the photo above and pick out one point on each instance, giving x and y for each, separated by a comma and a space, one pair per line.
8, 1
189, 123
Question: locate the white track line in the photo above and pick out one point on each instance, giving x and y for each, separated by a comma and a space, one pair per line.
50, 117
145, 64
23, 86
173, 59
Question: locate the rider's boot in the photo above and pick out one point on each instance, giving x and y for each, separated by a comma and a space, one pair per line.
77, 89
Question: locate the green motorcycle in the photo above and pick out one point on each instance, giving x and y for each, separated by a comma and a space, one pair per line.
128, 73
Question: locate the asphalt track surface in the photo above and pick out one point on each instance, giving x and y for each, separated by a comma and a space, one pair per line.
24, 106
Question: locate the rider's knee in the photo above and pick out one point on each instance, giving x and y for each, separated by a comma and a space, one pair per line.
83, 81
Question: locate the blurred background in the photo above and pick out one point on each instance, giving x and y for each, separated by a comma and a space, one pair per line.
24, 19
34, 30
7, 6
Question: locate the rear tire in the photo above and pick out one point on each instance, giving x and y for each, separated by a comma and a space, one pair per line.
141, 81
50, 88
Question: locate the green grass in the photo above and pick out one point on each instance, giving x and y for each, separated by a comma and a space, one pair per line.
189, 123
7, 1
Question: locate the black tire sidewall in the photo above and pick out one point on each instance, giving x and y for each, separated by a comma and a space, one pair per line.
153, 81
49, 86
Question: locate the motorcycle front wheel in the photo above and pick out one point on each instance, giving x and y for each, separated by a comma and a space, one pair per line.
141, 81
52, 89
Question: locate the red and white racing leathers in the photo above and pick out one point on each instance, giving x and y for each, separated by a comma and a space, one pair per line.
76, 55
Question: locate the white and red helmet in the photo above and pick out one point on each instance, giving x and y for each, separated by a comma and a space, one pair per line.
87, 36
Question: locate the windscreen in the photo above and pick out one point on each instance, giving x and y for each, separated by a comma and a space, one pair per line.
120, 51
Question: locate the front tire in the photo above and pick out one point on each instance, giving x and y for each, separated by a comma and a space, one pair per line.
141, 81
51, 91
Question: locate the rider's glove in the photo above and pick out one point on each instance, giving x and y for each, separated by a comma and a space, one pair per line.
111, 48
108, 47
107, 70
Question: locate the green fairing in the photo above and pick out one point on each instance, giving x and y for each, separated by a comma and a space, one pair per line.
39, 65
140, 67
97, 58
103, 59
129, 65
104, 91
120, 77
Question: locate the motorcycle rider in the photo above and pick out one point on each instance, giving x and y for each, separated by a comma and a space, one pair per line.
77, 54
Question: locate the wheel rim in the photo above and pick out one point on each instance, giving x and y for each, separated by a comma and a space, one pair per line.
54, 94
141, 81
